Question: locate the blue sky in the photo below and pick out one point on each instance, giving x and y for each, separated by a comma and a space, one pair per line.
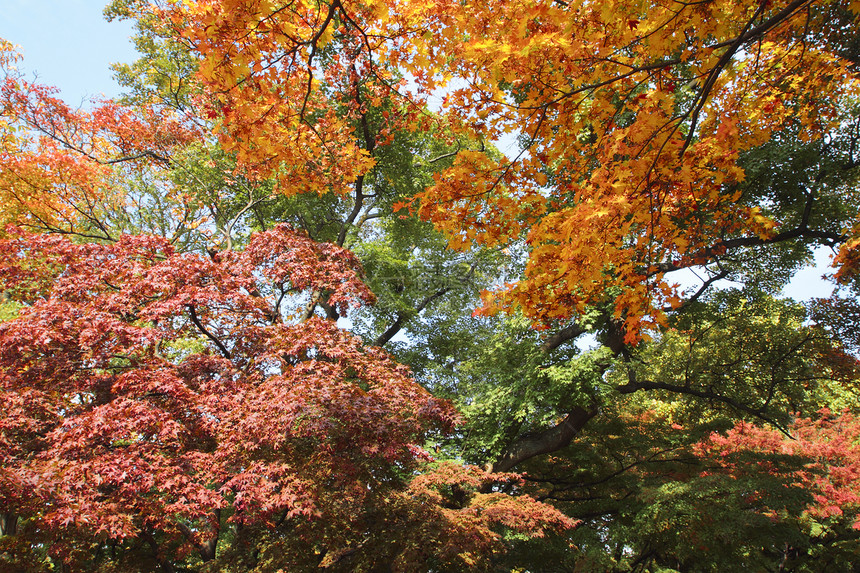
68, 43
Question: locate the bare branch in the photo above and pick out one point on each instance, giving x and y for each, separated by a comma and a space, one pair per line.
196, 320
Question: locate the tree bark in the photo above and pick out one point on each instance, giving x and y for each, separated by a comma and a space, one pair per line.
8, 523
549, 440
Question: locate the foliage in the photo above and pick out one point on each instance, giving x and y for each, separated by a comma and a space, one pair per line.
59, 165
193, 378
117, 427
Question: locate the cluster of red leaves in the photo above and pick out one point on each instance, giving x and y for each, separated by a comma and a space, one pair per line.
144, 390
830, 442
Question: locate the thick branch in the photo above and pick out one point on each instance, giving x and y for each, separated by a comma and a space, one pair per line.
648, 385
332, 10
316, 297
568, 333
205, 548
369, 145
715, 72
8, 523
764, 27
196, 320
402, 317
553, 438
545, 442
165, 564
829, 238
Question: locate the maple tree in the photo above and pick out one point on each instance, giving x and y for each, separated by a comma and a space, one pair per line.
161, 397
635, 116
652, 137
61, 176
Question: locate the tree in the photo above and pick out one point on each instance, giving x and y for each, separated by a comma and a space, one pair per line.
635, 117
653, 137
154, 399
60, 166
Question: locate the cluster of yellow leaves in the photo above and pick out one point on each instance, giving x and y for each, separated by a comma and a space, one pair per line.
285, 102
634, 115
639, 112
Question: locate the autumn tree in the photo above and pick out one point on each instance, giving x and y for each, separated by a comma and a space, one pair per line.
156, 400
683, 428
624, 114
61, 166
157, 351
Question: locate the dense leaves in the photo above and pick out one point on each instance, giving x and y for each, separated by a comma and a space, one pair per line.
193, 378
158, 395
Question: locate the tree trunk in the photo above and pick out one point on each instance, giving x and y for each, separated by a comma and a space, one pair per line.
8, 523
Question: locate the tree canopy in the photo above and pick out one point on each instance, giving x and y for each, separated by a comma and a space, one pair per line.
394, 286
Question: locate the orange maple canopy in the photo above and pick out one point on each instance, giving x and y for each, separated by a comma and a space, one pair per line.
632, 118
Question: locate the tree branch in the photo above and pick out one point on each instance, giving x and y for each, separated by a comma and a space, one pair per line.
402, 317
549, 440
209, 335
567, 333
205, 548
648, 385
